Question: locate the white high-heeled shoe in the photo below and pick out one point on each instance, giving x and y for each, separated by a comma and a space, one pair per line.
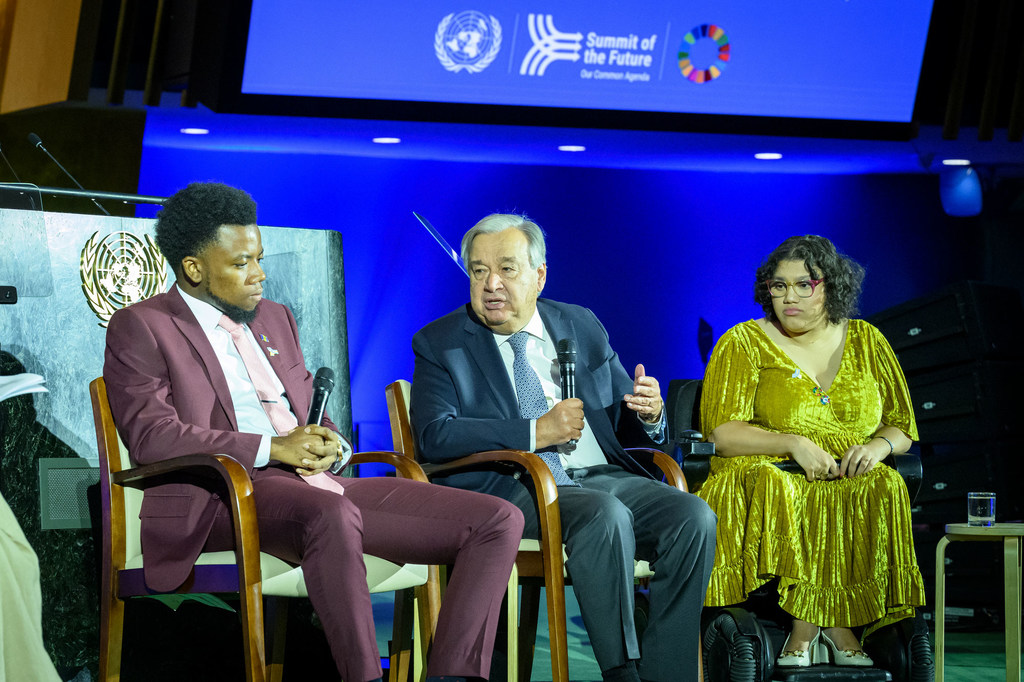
829, 652
791, 658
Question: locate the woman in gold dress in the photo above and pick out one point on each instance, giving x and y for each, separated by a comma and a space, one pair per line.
808, 383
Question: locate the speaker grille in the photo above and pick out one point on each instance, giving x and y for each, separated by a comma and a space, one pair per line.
63, 500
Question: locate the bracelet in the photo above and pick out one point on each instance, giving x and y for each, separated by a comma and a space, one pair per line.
887, 441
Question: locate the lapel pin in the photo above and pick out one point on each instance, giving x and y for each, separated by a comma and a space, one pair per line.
264, 339
272, 351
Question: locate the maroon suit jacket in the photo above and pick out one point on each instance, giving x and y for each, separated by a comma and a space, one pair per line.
169, 398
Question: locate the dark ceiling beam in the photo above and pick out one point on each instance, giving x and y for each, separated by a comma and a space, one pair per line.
122, 52
994, 77
154, 72
1015, 126
959, 77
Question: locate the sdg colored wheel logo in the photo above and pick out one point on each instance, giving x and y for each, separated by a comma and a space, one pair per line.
692, 40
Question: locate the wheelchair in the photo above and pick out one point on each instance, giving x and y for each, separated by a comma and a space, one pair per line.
741, 642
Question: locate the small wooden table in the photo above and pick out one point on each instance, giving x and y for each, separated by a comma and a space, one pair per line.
1012, 537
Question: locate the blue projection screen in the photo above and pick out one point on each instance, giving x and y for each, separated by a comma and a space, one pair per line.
821, 59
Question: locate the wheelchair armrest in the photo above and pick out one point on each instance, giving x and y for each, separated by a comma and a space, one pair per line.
694, 458
696, 466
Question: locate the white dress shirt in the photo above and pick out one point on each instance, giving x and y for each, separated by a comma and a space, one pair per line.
543, 358
249, 412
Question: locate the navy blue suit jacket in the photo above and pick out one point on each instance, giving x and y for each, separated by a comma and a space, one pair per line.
464, 402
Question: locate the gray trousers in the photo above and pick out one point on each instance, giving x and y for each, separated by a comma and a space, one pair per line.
614, 517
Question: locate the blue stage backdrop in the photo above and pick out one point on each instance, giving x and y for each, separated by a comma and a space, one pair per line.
651, 252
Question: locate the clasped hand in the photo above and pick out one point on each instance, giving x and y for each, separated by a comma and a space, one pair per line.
821, 466
817, 464
309, 449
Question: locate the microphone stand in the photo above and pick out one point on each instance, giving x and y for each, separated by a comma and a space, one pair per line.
91, 194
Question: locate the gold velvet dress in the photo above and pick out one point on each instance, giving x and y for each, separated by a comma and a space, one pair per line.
842, 549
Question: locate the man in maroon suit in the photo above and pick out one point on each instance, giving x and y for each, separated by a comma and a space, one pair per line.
179, 383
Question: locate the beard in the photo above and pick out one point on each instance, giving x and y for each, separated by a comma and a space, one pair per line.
234, 313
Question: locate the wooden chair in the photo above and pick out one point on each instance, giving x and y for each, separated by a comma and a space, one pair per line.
246, 570
540, 563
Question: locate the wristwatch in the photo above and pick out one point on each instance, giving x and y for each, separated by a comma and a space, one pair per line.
345, 453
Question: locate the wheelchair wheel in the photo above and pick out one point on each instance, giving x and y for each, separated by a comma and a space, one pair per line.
904, 649
736, 648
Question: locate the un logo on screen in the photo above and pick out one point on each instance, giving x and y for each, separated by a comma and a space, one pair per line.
468, 40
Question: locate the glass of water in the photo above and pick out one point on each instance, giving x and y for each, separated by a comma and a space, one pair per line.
981, 509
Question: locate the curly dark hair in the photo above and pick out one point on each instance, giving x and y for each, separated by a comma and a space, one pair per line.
189, 220
843, 276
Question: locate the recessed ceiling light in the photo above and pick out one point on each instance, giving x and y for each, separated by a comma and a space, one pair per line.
768, 156
387, 140
571, 148
195, 131
956, 162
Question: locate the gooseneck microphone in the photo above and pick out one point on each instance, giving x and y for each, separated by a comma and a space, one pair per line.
13, 172
36, 142
566, 349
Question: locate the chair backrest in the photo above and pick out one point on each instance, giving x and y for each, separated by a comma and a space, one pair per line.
120, 505
398, 413
683, 406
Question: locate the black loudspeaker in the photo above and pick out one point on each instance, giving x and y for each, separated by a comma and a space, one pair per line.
961, 323
904, 649
736, 648
968, 402
954, 469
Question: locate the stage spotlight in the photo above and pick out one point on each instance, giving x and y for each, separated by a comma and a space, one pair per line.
960, 191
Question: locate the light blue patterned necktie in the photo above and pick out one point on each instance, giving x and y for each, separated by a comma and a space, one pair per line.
532, 403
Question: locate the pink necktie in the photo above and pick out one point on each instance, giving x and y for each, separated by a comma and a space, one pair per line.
281, 419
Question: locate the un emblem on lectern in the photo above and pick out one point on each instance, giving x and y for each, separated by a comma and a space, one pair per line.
118, 270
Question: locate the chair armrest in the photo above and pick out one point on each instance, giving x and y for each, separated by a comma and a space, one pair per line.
649, 458
214, 467
404, 466
547, 499
240, 500
530, 462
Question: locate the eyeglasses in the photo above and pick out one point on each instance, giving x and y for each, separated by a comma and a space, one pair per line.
803, 288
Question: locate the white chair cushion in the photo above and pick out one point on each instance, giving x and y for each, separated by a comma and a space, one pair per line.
641, 569
281, 579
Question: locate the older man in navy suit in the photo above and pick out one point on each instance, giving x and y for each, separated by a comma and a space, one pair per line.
210, 367
487, 378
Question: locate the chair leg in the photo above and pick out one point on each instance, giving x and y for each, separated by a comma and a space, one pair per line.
251, 605
557, 634
401, 638
512, 625
700, 659
276, 617
111, 634
527, 633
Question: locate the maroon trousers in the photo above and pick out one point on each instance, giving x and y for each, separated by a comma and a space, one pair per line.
402, 521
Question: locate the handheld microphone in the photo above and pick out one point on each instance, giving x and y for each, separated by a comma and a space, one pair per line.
323, 384
35, 141
566, 349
